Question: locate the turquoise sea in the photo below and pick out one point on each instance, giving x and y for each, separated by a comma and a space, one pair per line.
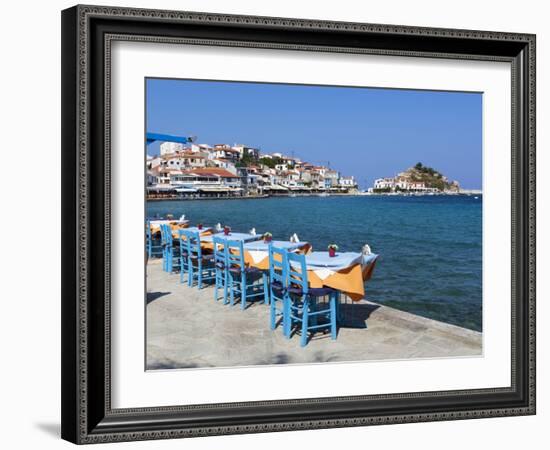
430, 247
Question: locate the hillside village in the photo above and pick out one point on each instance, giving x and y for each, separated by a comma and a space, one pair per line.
418, 179
222, 171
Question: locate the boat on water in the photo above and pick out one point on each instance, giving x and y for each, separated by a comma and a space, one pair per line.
323, 194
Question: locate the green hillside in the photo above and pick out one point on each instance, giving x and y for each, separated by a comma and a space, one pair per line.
431, 177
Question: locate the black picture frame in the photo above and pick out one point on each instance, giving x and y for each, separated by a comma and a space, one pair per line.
87, 415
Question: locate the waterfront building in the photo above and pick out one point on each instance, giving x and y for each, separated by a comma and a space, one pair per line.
290, 178
305, 176
168, 148
163, 174
251, 182
317, 179
224, 170
185, 160
204, 148
384, 183
152, 179
331, 178
154, 162
321, 170
224, 151
223, 164
347, 182
244, 150
207, 181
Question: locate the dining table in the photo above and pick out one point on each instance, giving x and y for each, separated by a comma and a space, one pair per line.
207, 242
256, 253
174, 225
204, 231
346, 272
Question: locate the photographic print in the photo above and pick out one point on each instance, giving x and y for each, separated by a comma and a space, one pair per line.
297, 224
307, 201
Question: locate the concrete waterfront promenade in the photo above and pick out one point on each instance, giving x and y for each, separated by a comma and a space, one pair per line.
187, 328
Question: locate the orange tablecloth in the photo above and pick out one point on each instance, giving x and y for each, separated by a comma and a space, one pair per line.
205, 232
252, 261
245, 237
263, 264
175, 226
350, 280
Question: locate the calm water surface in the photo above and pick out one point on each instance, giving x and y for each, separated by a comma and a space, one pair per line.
430, 247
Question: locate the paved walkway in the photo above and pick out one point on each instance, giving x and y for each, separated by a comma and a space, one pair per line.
187, 328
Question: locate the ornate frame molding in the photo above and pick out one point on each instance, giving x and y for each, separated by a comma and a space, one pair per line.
85, 421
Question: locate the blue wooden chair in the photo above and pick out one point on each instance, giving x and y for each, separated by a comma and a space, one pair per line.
201, 266
220, 264
243, 280
170, 253
304, 306
184, 256
279, 302
153, 244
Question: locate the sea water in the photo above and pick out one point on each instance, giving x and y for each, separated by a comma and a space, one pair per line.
430, 247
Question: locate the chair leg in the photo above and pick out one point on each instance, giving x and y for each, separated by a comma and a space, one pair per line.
273, 310
225, 281
286, 316
266, 290
333, 327
338, 308
199, 274
191, 274
216, 284
243, 291
231, 290
305, 308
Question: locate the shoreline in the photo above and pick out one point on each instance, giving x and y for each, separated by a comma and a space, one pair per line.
360, 194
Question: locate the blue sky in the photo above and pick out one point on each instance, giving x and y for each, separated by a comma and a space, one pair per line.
365, 132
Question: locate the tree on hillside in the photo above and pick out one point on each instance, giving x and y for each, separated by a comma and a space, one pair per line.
270, 162
246, 160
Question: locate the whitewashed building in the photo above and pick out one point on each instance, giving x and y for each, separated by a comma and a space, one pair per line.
185, 160
168, 148
384, 183
347, 182
247, 151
